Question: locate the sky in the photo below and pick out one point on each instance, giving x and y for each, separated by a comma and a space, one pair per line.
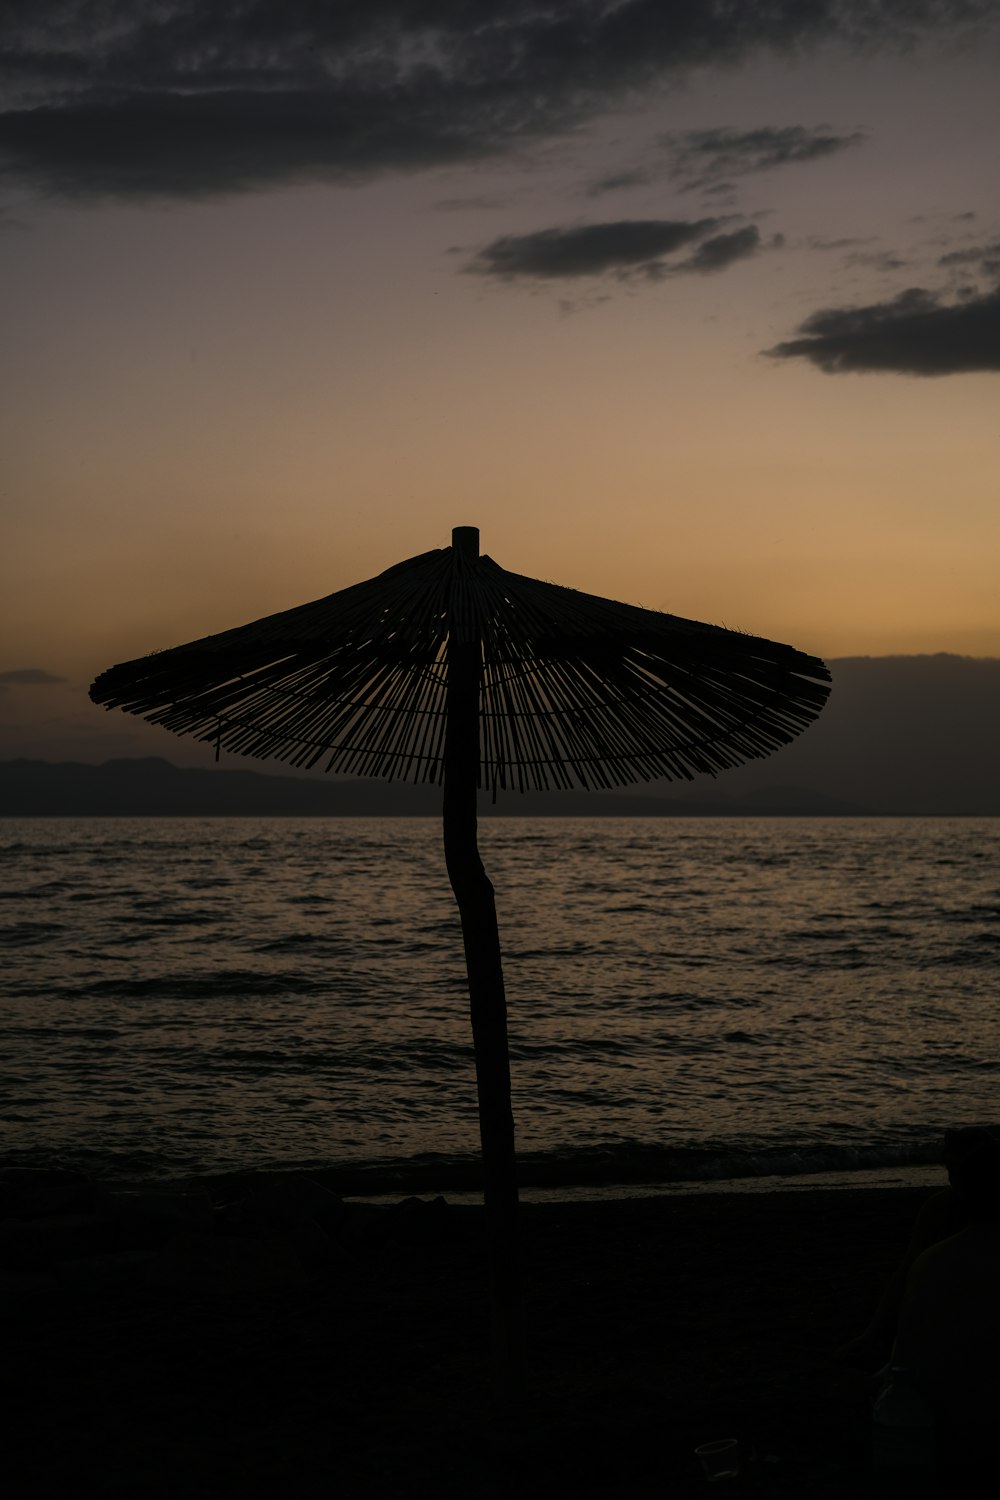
691, 305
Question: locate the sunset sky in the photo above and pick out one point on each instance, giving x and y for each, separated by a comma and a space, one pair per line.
697, 312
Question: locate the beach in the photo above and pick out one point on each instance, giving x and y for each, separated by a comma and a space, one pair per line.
257, 1336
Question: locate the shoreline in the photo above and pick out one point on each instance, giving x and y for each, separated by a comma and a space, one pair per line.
554, 1180
927, 1178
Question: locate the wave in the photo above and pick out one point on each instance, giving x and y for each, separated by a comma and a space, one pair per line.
220, 984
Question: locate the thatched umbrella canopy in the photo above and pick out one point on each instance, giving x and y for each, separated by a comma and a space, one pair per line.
448, 668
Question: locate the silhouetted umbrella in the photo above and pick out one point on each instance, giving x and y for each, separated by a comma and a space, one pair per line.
448, 668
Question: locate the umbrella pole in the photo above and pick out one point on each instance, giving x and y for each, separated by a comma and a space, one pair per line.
477, 908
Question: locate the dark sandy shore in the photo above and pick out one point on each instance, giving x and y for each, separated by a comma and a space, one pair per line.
256, 1337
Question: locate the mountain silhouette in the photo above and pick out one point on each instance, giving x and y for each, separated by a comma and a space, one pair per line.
913, 736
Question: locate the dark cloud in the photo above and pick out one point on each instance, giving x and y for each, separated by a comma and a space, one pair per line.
721, 251
181, 146
844, 243
982, 258
614, 182
193, 98
915, 334
710, 159
626, 247
950, 218
28, 677
876, 260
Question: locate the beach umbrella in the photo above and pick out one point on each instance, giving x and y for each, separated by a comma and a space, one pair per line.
448, 668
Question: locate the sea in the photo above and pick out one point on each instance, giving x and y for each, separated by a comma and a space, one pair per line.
692, 1002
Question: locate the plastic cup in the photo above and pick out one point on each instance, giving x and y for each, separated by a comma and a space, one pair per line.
719, 1460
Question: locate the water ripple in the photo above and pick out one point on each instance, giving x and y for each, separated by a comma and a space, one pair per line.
224, 992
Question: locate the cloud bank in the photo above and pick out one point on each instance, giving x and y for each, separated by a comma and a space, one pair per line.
198, 98
916, 333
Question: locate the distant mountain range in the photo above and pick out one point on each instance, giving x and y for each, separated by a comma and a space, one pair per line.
913, 735
150, 788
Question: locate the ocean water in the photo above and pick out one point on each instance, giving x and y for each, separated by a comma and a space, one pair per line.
689, 999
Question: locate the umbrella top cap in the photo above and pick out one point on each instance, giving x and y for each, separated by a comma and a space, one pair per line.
465, 541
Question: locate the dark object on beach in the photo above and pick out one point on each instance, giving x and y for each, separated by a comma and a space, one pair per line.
447, 668
944, 1357
971, 1155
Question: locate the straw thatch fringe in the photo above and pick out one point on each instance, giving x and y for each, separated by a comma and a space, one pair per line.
577, 690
